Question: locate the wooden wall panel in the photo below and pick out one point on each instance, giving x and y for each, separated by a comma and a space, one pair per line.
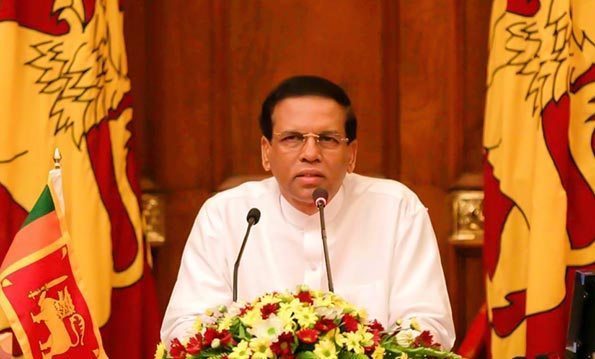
179, 70
136, 46
476, 23
414, 70
271, 40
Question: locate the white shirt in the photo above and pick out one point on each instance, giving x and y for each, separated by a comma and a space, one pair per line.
382, 250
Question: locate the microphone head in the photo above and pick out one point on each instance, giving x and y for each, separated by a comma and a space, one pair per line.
253, 216
320, 196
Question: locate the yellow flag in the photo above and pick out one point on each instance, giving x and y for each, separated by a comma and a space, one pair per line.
540, 170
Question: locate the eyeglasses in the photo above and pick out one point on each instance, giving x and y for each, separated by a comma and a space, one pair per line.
295, 140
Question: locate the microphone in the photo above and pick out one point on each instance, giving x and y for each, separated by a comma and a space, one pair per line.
320, 196
253, 217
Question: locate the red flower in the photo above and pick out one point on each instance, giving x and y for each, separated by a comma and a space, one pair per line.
324, 325
282, 347
375, 326
268, 309
194, 345
245, 308
305, 297
350, 323
425, 339
177, 350
308, 336
369, 350
226, 338
211, 334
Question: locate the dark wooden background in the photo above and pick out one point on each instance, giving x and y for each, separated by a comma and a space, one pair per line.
415, 71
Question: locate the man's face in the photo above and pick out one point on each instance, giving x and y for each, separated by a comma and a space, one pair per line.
301, 169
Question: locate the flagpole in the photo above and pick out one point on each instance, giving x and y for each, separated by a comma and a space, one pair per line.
57, 158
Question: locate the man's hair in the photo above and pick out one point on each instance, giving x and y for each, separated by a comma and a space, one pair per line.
299, 86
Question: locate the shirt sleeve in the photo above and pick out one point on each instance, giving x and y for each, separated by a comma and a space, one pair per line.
202, 281
418, 287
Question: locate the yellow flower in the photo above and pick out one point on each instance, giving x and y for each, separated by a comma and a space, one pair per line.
197, 326
316, 293
331, 334
379, 353
306, 317
251, 317
160, 351
261, 348
268, 299
292, 306
406, 337
285, 297
362, 313
367, 338
241, 351
323, 301
415, 324
353, 342
325, 349
225, 323
286, 317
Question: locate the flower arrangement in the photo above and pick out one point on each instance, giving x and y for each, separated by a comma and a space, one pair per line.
307, 324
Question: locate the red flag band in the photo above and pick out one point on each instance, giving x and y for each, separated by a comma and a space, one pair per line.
539, 138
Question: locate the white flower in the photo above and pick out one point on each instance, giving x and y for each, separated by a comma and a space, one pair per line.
406, 336
410, 323
235, 308
269, 328
330, 312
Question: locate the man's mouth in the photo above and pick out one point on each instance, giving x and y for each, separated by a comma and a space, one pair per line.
310, 174
313, 178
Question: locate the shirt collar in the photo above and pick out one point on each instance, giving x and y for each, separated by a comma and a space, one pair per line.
304, 221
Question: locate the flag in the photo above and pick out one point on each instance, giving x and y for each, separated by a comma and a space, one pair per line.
539, 183
64, 83
40, 285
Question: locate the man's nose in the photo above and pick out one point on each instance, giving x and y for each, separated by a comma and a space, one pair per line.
310, 150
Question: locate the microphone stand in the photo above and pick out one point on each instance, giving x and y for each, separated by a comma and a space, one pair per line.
329, 277
236, 266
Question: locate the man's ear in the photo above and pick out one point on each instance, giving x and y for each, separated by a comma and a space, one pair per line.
352, 156
265, 148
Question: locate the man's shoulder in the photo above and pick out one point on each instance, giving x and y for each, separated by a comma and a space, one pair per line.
247, 191
381, 189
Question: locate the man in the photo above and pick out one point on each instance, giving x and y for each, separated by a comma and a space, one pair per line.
382, 248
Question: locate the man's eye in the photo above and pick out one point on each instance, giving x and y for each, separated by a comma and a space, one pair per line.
291, 138
327, 139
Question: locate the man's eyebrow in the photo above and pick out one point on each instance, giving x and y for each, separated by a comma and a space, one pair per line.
329, 132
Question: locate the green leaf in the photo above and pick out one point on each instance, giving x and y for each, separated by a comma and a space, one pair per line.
421, 352
239, 330
306, 355
344, 354
211, 353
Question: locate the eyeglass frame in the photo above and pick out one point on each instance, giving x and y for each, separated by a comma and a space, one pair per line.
315, 136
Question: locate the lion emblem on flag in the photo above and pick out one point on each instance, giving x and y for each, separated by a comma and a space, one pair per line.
65, 84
